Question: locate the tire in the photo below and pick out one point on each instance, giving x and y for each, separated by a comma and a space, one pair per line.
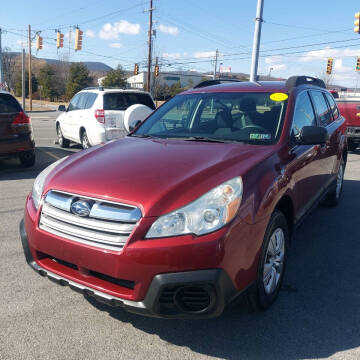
27, 159
85, 143
271, 266
333, 197
63, 143
352, 146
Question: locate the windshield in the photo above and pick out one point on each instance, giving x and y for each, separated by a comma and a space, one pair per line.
229, 117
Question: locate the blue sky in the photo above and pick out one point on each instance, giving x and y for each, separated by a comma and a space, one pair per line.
297, 36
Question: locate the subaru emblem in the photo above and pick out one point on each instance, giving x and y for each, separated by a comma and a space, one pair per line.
81, 208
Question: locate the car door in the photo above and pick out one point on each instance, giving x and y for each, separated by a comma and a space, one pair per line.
304, 164
79, 116
67, 120
335, 133
327, 152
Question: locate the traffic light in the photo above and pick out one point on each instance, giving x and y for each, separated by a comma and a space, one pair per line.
358, 64
357, 23
39, 42
329, 66
59, 40
78, 39
156, 72
136, 69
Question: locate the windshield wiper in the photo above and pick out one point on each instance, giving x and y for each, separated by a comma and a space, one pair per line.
141, 135
205, 139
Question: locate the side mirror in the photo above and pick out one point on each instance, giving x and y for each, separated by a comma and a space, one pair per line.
134, 125
61, 108
312, 135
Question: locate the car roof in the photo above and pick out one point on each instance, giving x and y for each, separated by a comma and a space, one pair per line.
5, 92
246, 86
249, 86
113, 90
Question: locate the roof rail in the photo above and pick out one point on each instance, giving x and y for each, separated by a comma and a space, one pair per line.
294, 81
214, 82
100, 88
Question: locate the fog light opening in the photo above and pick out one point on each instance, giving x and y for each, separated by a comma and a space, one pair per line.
195, 298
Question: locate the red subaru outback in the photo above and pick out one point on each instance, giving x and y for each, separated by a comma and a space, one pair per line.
196, 205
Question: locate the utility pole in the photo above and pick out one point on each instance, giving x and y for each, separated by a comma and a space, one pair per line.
1, 62
30, 74
69, 42
23, 78
216, 60
256, 43
148, 87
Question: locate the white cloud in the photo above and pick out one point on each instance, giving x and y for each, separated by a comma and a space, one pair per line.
90, 33
171, 55
328, 52
112, 31
171, 30
342, 74
277, 59
204, 54
277, 67
275, 63
21, 43
115, 45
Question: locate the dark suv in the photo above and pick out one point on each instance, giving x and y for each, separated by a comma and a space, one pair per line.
16, 137
198, 204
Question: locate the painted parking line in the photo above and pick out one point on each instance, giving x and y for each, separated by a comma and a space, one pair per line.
50, 154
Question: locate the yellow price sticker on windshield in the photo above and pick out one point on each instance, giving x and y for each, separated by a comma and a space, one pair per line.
279, 96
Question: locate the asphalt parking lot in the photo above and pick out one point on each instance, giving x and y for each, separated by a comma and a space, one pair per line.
316, 316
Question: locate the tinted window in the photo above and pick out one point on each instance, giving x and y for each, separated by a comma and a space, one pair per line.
333, 105
81, 104
121, 101
74, 103
90, 100
303, 114
240, 117
321, 107
8, 104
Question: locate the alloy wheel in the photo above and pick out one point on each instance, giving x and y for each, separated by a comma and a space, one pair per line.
339, 180
85, 141
60, 137
274, 261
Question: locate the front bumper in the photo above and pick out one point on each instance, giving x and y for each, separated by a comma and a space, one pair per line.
353, 133
168, 294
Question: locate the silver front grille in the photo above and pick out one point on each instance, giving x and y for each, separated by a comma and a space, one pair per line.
108, 224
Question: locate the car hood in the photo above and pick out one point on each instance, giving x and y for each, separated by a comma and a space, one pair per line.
157, 175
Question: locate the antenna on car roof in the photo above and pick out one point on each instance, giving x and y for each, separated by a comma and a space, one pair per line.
294, 81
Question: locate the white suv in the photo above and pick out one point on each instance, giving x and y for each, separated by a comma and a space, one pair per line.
96, 115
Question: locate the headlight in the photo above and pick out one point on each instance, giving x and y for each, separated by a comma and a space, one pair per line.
204, 215
39, 182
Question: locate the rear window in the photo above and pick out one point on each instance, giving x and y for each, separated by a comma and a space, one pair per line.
8, 104
121, 101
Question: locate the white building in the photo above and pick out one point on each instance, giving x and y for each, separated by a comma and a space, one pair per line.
167, 78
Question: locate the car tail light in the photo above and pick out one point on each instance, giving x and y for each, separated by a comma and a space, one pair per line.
21, 119
100, 116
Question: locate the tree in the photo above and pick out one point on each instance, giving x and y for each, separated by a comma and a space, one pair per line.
162, 92
115, 78
79, 78
18, 84
9, 68
328, 79
176, 88
47, 82
61, 76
